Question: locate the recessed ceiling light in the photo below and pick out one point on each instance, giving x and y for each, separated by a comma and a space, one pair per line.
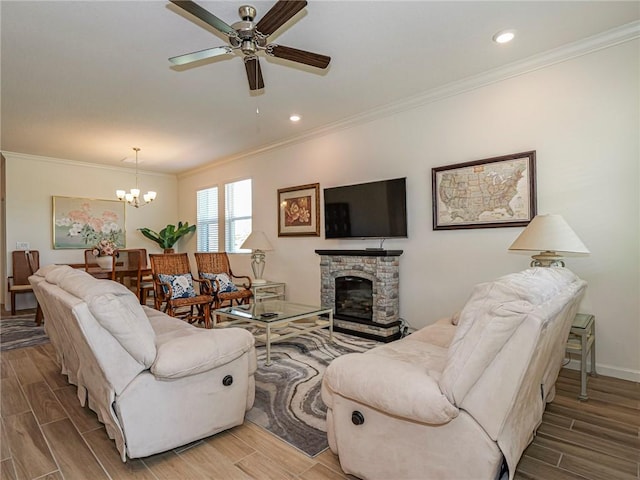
504, 36
295, 118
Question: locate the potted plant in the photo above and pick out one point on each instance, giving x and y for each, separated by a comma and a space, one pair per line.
169, 235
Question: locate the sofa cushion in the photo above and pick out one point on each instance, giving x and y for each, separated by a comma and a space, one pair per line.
181, 285
225, 282
46, 269
197, 350
163, 323
490, 317
83, 285
54, 273
124, 318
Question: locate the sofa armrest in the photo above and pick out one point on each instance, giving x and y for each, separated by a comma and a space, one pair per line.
192, 352
392, 386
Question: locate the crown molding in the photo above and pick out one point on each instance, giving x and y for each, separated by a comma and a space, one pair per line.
76, 163
607, 39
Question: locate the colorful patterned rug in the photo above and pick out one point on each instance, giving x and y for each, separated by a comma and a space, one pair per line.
288, 402
19, 331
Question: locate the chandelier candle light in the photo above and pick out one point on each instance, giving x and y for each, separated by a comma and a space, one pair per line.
549, 234
258, 243
133, 197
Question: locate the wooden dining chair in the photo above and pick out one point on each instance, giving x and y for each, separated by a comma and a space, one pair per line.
25, 263
90, 263
174, 287
216, 268
135, 268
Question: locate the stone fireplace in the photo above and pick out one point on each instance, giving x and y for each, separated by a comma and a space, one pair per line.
362, 286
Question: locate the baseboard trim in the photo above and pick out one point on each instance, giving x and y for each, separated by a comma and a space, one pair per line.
608, 371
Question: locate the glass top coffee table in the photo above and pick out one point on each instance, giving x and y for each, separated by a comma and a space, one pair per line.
276, 320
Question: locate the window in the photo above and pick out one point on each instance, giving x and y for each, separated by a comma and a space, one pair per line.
207, 220
237, 212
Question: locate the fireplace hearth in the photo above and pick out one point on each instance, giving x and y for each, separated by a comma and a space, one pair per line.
362, 286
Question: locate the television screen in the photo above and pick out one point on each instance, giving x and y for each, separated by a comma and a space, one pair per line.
366, 210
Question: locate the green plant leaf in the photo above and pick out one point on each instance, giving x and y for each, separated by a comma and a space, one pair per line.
168, 236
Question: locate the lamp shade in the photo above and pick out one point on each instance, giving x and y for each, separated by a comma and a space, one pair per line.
257, 240
549, 233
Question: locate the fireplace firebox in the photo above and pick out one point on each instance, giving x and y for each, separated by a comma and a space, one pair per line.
354, 298
362, 286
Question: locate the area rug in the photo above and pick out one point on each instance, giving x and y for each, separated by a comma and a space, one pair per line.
288, 402
19, 331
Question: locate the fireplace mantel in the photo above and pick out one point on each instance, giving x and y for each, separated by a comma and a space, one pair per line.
361, 253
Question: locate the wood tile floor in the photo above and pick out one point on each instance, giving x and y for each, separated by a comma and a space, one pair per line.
45, 434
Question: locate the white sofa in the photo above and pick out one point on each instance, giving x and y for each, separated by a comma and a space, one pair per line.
456, 398
155, 381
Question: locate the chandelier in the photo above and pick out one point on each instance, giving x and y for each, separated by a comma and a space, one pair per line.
133, 197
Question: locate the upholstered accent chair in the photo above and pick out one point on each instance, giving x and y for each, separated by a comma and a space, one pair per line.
174, 287
25, 263
216, 268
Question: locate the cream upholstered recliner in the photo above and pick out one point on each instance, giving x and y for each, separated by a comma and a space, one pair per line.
155, 381
456, 398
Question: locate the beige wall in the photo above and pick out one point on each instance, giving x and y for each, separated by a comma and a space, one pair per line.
32, 181
582, 117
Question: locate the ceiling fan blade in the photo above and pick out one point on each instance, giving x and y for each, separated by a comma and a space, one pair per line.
200, 55
300, 56
254, 73
279, 14
207, 17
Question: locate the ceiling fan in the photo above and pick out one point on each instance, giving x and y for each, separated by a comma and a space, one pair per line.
250, 38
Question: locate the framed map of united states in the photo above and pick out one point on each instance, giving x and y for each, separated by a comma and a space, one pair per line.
489, 193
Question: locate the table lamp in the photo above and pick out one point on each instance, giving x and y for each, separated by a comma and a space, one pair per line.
257, 242
548, 234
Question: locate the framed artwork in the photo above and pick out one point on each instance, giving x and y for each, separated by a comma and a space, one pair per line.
489, 193
83, 222
299, 211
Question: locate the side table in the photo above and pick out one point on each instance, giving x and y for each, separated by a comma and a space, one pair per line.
582, 340
269, 290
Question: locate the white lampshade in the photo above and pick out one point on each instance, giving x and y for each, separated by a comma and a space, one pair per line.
256, 240
549, 234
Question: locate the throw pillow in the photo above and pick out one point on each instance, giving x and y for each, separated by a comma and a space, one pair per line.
225, 282
181, 285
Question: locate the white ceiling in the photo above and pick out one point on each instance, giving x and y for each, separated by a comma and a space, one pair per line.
89, 80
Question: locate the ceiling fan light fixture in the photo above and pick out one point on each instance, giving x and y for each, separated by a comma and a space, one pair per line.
251, 38
504, 36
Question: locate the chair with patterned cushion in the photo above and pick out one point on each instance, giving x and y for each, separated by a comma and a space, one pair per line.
216, 268
25, 263
174, 287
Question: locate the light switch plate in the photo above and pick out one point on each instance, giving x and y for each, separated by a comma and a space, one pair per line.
22, 245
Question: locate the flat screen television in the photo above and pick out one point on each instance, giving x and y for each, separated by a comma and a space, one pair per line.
366, 210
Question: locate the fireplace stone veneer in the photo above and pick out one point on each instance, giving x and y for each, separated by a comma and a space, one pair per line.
381, 267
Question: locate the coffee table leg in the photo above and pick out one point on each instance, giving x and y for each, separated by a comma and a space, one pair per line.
331, 325
268, 345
